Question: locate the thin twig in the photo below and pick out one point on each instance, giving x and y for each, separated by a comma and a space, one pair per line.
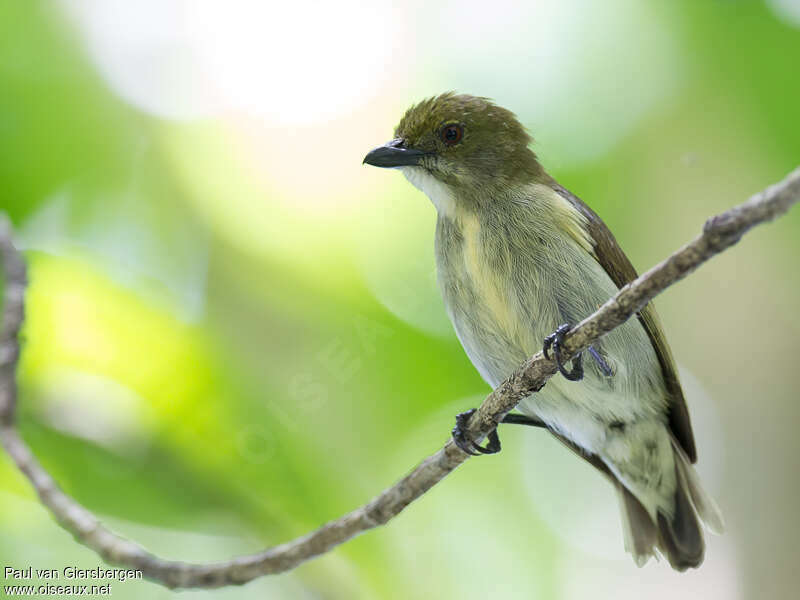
15, 281
719, 233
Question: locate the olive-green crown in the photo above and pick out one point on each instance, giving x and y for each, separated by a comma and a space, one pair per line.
494, 145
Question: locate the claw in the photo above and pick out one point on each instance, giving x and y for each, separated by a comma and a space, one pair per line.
469, 446
459, 437
554, 341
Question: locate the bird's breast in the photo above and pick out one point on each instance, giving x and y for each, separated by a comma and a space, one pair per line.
490, 285
475, 278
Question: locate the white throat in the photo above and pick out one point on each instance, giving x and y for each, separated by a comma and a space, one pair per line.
439, 193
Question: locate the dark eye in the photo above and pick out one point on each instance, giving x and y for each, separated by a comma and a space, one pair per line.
452, 134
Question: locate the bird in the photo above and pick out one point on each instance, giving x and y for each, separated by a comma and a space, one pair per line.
519, 259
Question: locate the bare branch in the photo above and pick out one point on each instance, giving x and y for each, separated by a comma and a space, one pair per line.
719, 233
13, 315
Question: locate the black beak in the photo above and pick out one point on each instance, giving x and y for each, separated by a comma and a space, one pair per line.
394, 154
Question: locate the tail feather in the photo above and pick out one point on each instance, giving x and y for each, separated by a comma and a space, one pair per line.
637, 526
703, 503
680, 537
677, 536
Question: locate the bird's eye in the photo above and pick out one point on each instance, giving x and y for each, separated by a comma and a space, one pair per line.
452, 134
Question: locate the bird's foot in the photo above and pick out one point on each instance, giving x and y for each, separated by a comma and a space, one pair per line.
518, 419
468, 445
601, 362
554, 341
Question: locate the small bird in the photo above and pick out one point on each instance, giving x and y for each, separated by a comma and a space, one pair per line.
519, 256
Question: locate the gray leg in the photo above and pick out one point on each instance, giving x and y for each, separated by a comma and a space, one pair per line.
518, 419
493, 447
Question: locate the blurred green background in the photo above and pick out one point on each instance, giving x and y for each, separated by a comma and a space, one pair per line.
234, 332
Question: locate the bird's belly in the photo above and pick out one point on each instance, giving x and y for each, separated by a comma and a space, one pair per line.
494, 347
494, 335
583, 410
503, 301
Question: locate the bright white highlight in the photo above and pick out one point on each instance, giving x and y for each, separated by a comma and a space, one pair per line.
786, 10
579, 74
287, 62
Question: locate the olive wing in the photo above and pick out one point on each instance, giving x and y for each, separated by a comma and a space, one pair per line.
619, 268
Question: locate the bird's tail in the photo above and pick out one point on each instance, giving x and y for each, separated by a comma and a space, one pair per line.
678, 536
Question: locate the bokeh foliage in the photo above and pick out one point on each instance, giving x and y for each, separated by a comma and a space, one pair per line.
212, 369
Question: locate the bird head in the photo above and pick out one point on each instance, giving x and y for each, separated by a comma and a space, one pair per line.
469, 144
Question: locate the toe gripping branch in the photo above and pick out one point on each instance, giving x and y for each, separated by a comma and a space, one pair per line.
463, 441
555, 341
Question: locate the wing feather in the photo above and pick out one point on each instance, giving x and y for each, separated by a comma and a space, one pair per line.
619, 268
